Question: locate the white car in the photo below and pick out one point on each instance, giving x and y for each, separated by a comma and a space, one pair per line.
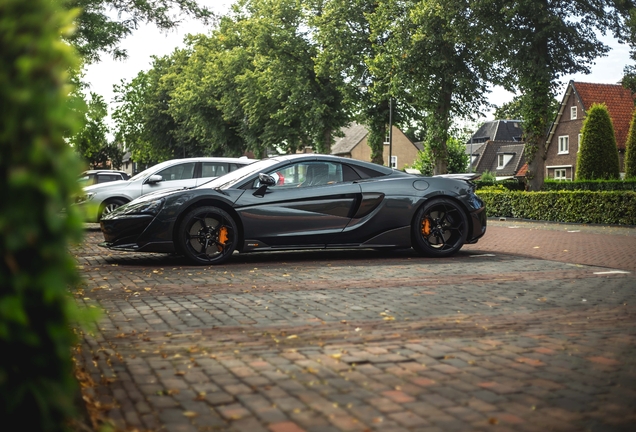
100, 199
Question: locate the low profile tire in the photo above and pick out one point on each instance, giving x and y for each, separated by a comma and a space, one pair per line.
109, 206
440, 228
207, 235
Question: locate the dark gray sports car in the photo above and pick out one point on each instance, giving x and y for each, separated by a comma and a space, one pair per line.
304, 201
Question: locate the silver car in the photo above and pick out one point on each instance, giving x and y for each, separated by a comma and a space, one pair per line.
100, 199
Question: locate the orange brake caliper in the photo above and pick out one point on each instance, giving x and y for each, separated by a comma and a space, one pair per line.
426, 226
223, 238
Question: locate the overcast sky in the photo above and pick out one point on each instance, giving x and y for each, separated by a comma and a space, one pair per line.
148, 41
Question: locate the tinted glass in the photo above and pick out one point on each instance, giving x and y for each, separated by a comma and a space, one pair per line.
213, 169
178, 172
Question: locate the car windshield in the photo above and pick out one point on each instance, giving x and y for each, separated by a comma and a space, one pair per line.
230, 179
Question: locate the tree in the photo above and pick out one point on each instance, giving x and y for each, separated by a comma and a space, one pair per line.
90, 143
251, 85
99, 32
457, 157
598, 155
346, 47
436, 56
38, 177
276, 97
546, 40
513, 110
630, 149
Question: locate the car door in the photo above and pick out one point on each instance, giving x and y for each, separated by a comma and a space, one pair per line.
173, 177
310, 203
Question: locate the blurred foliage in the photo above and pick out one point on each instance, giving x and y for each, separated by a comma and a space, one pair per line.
630, 150
597, 158
37, 222
613, 208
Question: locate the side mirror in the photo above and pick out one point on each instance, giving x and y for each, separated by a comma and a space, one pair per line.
154, 179
266, 179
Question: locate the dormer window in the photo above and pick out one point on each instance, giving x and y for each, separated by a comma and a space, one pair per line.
573, 113
503, 159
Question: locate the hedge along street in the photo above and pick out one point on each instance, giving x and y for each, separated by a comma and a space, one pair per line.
361, 340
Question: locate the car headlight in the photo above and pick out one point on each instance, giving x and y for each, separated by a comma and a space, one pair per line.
85, 197
143, 207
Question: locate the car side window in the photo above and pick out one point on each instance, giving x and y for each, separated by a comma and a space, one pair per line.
178, 172
213, 169
307, 174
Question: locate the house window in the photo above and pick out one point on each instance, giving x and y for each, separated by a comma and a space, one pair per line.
559, 174
564, 144
578, 147
394, 162
387, 137
573, 113
503, 159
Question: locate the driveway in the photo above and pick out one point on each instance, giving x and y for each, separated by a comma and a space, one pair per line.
530, 329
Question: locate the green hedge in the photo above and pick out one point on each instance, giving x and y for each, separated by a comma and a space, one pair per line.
591, 185
613, 208
506, 184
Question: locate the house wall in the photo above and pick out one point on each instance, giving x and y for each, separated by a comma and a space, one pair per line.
403, 148
571, 128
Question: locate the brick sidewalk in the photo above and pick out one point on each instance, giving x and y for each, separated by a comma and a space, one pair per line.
492, 339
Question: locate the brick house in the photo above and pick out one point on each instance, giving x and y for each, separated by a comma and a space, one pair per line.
562, 143
354, 145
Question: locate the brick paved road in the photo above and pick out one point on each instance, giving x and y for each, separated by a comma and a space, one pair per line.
355, 341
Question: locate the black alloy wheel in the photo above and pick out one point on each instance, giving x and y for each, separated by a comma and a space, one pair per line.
207, 235
440, 228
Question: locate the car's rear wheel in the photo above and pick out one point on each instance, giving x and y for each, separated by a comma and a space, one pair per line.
440, 228
207, 235
109, 206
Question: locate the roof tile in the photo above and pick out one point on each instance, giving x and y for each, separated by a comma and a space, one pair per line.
619, 101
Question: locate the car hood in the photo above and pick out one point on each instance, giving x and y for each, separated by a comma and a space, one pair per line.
159, 194
114, 185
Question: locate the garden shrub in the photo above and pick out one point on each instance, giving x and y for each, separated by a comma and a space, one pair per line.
613, 208
38, 174
598, 154
630, 150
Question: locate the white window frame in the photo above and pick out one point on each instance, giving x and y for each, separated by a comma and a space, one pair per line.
578, 146
573, 113
387, 138
562, 174
564, 144
394, 162
501, 162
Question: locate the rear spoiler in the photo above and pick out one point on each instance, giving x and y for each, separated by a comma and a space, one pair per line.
463, 176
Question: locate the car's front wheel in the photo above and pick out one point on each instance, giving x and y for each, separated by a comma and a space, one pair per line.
207, 235
440, 228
